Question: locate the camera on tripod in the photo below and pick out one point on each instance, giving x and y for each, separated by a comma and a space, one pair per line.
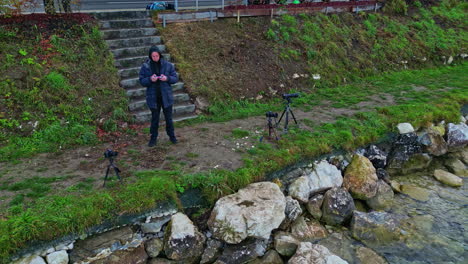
293, 95
271, 114
110, 154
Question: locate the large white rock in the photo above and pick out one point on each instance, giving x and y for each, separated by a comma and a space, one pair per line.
58, 257
324, 176
251, 212
300, 189
457, 136
405, 128
184, 240
308, 253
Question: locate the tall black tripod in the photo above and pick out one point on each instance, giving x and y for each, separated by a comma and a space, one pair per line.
287, 110
116, 170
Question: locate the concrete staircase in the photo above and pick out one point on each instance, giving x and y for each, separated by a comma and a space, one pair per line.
129, 35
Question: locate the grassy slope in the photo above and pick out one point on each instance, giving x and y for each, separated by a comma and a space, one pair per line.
266, 53
55, 82
50, 217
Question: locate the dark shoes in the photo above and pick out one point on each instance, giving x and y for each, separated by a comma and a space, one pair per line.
152, 142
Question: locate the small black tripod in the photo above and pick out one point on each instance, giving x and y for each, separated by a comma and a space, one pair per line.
287, 110
111, 165
271, 128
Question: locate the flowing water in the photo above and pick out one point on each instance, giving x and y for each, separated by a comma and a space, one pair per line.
438, 222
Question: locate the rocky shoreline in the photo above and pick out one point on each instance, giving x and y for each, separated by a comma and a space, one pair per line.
340, 209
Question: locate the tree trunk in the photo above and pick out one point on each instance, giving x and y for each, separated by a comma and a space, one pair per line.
66, 6
49, 7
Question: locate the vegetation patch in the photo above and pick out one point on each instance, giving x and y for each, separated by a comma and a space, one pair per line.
56, 215
56, 80
310, 52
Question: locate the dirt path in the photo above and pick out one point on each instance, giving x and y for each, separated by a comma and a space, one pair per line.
201, 147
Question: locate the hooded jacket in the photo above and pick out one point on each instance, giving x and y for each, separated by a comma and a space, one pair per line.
165, 68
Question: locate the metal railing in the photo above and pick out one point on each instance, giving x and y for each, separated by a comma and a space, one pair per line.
196, 5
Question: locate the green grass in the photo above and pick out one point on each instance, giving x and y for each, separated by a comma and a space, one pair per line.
51, 90
51, 217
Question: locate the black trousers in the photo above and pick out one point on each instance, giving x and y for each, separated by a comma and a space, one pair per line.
155, 112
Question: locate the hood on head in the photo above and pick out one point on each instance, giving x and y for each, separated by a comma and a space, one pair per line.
154, 49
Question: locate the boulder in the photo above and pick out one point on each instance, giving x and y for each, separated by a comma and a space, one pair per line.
368, 256
338, 206
57, 257
285, 243
126, 256
153, 247
300, 189
457, 136
404, 147
433, 143
271, 257
456, 167
291, 176
340, 161
92, 246
360, 178
375, 228
448, 178
440, 129
340, 244
155, 225
416, 162
308, 230
405, 128
464, 156
183, 241
293, 211
415, 192
308, 253
323, 176
396, 186
383, 198
383, 175
377, 156
252, 212
246, 251
30, 260
212, 251
162, 261
314, 206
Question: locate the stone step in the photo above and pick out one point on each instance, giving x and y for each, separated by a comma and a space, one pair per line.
131, 73
140, 105
131, 42
177, 111
132, 83
115, 15
133, 62
140, 91
128, 33
126, 23
134, 51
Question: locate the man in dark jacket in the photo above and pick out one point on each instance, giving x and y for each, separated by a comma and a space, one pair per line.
157, 75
